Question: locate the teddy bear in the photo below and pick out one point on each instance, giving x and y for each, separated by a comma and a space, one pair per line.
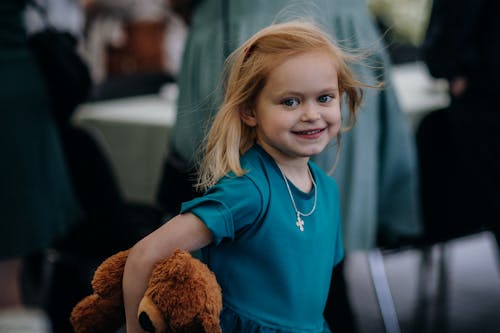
182, 296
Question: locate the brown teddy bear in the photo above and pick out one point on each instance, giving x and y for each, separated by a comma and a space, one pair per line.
182, 296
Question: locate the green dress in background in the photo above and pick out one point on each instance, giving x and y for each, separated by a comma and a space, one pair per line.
377, 173
37, 203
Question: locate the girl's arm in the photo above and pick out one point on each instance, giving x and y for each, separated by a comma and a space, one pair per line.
184, 231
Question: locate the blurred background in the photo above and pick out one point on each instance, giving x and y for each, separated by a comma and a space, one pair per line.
118, 139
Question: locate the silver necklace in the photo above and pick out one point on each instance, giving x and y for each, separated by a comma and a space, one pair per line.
300, 223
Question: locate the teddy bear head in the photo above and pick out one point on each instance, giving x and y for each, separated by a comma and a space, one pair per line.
182, 296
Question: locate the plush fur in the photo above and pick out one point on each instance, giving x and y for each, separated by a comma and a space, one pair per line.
182, 296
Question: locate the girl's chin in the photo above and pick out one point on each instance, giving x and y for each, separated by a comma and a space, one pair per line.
309, 153
315, 150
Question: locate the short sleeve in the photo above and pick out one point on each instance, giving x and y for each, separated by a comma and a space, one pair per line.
227, 208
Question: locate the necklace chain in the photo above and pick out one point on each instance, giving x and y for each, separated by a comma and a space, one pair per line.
300, 222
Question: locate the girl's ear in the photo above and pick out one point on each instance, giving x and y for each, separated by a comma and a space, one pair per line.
248, 117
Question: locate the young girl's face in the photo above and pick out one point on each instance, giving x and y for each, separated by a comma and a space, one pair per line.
298, 111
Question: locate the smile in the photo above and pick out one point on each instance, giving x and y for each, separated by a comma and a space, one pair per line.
309, 132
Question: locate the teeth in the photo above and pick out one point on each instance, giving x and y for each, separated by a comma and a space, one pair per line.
309, 132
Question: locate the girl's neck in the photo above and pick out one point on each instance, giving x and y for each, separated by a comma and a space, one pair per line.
294, 168
298, 174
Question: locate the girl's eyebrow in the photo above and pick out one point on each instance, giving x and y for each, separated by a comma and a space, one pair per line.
289, 92
331, 89
301, 93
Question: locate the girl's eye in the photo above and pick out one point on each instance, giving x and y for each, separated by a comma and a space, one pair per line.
290, 102
325, 98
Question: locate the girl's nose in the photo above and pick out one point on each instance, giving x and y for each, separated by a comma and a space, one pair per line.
311, 112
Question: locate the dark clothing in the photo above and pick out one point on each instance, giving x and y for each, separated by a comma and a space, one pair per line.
36, 198
463, 40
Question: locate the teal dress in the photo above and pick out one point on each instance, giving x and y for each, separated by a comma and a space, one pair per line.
37, 203
274, 277
377, 173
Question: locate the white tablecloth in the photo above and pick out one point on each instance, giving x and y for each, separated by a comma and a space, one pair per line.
134, 133
418, 92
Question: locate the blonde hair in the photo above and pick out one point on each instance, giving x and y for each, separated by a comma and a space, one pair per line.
246, 71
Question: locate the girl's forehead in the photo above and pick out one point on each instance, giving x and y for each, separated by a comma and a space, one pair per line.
296, 61
308, 66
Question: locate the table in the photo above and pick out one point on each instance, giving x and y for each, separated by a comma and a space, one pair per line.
418, 92
135, 131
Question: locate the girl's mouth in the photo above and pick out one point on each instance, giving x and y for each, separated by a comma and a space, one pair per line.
309, 132
312, 134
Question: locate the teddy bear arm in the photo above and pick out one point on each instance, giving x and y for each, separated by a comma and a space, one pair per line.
95, 314
107, 280
210, 322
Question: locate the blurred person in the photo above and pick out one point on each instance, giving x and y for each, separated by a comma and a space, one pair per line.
126, 37
462, 45
377, 172
36, 197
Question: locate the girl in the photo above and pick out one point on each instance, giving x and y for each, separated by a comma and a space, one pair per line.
269, 221
377, 175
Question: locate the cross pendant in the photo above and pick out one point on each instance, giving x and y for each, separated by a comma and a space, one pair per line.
300, 223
